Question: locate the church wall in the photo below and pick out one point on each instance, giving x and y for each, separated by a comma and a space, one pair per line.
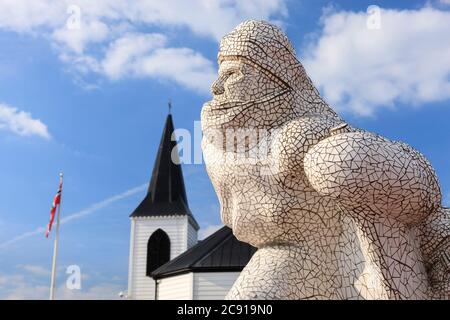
191, 236
131, 258
176, 287
213, 285
176, 227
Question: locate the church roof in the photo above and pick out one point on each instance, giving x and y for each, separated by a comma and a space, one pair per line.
166, 195
219, 252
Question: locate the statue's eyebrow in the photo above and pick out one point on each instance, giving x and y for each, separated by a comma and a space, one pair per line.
229, 70
257, 66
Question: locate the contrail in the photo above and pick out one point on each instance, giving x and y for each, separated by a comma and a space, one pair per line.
78, 215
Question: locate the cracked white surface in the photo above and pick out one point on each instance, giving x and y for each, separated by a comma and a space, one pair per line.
336, 212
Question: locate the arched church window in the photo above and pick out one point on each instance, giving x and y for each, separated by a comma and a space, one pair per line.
158, 250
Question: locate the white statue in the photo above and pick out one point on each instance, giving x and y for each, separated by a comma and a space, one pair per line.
335, 212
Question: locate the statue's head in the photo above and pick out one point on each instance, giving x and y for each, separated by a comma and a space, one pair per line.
260, 80
264, 47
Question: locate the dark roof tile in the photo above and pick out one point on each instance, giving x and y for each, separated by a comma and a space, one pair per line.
220, 252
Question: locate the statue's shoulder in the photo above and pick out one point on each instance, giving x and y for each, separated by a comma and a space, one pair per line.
308, 127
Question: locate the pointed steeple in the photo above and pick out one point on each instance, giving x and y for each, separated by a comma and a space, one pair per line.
166, 195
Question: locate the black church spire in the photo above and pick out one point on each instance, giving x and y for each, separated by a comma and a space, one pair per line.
166, 194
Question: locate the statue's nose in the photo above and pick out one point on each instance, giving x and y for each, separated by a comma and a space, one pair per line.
217, 87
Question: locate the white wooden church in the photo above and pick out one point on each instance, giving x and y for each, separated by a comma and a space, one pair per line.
166, 259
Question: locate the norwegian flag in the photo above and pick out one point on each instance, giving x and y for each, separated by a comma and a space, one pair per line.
56, 202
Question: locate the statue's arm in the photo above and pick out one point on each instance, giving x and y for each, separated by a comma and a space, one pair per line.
371, 175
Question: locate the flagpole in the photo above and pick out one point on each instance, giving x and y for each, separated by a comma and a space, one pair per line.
55, 247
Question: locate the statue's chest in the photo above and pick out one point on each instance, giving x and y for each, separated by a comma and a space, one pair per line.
236, 171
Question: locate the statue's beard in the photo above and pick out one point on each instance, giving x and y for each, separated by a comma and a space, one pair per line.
224, 114
228, 124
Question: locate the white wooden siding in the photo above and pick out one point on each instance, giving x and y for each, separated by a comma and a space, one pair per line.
131, 258
176, 287
213, 285
140, 286
191, 236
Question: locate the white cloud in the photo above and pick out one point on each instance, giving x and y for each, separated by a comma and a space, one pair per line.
124, 55
20, 287
360, 70
101, 291
27, 16
146, 55
77, 39
209, 230
35, 270
206, 18
106, 27
21, 122
183, 65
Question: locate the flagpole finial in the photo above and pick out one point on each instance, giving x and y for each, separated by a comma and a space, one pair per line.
61, 174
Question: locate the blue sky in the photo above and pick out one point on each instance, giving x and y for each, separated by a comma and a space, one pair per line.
91, 99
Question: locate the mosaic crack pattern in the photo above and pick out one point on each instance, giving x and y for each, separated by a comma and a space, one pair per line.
336, 212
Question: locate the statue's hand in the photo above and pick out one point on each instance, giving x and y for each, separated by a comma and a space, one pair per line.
439, 270
295, 138
370, 175
434, 235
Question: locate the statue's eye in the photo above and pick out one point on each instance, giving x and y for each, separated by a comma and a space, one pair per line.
233, 75
230, 73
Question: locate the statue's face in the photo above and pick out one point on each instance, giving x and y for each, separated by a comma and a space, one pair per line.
240, 87
238, 82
